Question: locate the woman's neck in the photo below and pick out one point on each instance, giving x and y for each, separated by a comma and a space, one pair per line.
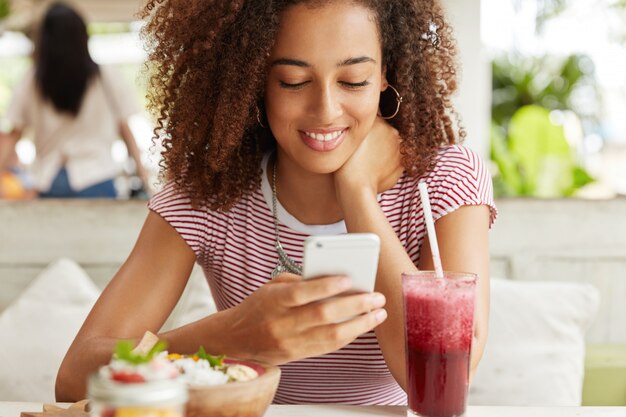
309, 197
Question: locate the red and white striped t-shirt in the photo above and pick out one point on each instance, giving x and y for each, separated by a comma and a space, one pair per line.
236, 251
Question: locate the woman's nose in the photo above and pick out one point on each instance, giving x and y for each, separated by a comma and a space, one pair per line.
326, 104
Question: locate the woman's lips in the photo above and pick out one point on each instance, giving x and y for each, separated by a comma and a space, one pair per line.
323, 141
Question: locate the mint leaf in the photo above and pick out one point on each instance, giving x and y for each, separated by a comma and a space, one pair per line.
213, 360
124, 351
159, 347
201, 353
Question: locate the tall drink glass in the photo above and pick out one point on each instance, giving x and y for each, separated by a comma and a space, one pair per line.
438, 322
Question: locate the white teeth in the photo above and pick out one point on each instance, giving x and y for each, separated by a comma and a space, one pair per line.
324, 138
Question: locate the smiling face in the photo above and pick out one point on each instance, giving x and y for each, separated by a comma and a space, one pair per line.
324, 84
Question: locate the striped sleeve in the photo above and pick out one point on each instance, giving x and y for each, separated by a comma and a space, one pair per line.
460, 178
190, 223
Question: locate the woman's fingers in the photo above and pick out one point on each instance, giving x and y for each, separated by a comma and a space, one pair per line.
331, 337
286, 277
336, 309
296, 294
290, 318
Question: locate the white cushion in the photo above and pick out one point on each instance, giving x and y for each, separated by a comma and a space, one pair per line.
38, 328
536, 347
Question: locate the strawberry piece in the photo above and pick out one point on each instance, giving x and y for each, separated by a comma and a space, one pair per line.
127, 377
108, 412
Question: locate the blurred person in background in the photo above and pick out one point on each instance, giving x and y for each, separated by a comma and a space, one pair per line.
76, 110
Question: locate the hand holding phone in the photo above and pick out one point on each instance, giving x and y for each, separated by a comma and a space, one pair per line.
351, 254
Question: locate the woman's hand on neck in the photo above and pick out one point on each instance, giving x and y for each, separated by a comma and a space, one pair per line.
317, 198
374, 167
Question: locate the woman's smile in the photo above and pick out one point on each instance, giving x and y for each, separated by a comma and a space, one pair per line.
323, 140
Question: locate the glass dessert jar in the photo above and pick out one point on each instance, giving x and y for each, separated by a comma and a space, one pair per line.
161, 398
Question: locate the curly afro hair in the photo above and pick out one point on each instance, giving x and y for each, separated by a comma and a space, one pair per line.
208, 63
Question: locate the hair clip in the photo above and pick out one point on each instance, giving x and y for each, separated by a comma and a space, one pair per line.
432, 35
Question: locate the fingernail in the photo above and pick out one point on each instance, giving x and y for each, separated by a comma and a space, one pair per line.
380, 315
377, 300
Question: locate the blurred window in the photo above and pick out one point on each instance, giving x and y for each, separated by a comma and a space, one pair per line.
569, 58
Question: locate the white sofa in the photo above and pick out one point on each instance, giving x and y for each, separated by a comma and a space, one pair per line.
533, 241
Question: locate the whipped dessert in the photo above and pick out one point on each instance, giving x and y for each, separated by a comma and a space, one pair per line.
200, 369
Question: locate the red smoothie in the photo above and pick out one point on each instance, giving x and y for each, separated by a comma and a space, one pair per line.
439, 317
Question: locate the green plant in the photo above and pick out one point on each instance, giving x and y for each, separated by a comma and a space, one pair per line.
531, 151
535, 159
548, 9
546, 81
5, 8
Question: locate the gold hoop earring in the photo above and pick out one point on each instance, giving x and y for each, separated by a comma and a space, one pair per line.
398, 102
258, 117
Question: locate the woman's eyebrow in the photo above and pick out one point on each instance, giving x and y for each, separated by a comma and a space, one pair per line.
289, 61
304, 64
357, 60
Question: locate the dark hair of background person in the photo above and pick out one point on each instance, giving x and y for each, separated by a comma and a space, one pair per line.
63, 66
208, 66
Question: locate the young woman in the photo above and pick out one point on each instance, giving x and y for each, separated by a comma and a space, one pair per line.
273, 130
76, 110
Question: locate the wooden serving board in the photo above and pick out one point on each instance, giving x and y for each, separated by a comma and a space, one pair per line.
79, 409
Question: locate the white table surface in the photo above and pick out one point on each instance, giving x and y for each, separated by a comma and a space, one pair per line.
13, 409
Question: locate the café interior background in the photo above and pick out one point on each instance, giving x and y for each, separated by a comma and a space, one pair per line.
566, 58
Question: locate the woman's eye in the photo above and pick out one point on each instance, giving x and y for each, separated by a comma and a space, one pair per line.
355, 85
291, 86
297, 86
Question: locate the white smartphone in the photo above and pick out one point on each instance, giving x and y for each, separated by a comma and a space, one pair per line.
351, 254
